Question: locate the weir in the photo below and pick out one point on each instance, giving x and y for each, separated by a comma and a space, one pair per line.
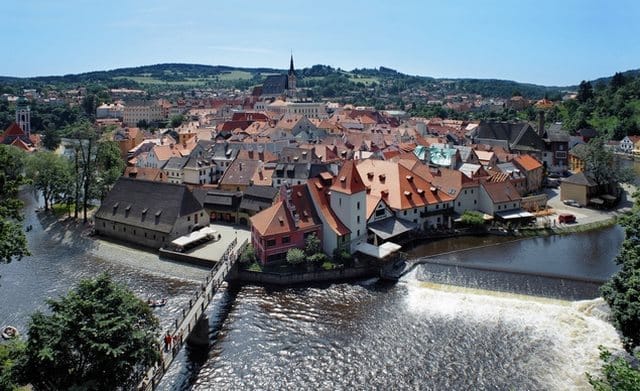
190, 323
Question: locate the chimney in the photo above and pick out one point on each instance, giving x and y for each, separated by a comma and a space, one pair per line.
541, 123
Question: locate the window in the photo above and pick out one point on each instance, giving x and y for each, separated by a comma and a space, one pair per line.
134, 231
438, 220
358, 205
340, 201
358, 219
465, 192
458, 203
475, 202
380, 212
404, 212
103, 224
358, 233
188, 218
286, 239
437, 206
415, 211
271, 242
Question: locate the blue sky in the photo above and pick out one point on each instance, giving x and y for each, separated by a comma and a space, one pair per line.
556, 42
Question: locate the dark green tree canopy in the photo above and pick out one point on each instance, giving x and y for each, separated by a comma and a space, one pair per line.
98, 337
13, 243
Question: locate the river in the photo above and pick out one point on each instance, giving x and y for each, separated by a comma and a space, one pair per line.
441, 327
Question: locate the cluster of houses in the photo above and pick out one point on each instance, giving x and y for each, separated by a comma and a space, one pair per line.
357, 178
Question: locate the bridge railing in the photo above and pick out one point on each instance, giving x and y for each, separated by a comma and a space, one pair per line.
189, 315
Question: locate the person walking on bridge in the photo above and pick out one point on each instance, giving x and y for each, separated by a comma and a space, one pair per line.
167, 341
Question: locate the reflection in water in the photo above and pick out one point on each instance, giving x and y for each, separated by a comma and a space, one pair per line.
61, 258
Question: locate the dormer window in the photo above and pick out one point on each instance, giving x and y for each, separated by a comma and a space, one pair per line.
407, 194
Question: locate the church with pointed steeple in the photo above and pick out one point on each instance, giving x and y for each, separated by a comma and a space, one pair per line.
291, 78
279, 85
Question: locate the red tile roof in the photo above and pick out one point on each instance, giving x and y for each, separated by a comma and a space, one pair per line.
320, 195
348, 180
527, 162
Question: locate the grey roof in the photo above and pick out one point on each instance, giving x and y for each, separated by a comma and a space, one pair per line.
175, 163
275, 85
465, 152
391, 227
147, 204
292, 170
580, 179
556, 133
265, 192
218, 199
520, 136
511, 169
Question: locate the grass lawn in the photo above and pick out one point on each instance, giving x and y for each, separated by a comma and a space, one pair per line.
62, 209
235, 75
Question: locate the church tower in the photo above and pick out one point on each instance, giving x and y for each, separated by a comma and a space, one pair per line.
291, 78
23, 116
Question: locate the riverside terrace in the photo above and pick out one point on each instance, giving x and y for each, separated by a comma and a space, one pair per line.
212, 251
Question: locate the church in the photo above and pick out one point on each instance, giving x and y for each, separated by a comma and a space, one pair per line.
18, 133
278, 85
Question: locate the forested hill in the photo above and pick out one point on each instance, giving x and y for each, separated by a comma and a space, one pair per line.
196, 75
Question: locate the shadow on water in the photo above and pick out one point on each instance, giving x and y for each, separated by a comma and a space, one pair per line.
186, 368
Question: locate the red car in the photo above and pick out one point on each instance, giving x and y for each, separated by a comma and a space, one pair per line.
566, 218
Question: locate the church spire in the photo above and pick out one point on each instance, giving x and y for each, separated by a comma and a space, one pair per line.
291, 71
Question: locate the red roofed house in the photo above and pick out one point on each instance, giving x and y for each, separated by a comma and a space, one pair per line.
348, 200
499, 198
14, 135
334, 233
284, 225
532, 169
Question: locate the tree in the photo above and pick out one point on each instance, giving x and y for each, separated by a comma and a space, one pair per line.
109, 166
585, 92
312, 245
248, 255
10, 354
600, 165
295, 256
621, 291
618, 80
51, 174
619, 375
50, 138
13, 243
176, 120
98, 336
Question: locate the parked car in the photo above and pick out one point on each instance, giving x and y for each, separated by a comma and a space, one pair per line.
573, 203
566, 218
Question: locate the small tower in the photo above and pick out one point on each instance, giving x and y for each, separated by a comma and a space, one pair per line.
23, 116
291, 78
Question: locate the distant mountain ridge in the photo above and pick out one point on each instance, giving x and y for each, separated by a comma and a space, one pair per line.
196, 74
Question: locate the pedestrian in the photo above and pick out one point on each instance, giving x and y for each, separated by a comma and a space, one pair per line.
167, 341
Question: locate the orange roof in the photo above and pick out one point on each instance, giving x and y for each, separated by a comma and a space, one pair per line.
501, 191
14, 130
273, 220
22, 145
165, 152
320, 196
263, 176
398, 186
348, 180
527, 162
372, 204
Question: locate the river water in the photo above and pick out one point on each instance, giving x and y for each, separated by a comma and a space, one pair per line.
443, 326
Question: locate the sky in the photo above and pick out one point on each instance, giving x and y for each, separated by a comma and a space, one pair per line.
548, 42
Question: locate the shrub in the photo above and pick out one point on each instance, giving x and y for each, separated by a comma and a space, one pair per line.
295, 256
472, 217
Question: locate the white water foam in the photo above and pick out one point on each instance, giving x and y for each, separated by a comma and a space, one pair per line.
575, 329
